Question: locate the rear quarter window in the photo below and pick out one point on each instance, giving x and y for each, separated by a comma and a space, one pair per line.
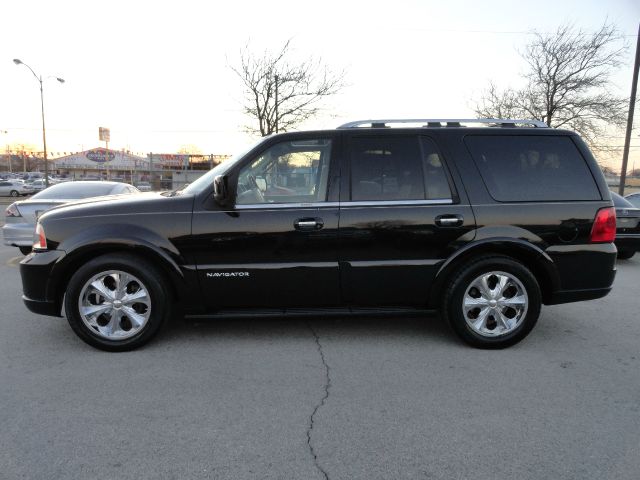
532, 168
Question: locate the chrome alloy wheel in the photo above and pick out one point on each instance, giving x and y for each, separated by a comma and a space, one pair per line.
495, 304
114, 304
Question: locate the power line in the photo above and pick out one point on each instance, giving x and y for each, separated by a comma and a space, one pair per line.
506, 32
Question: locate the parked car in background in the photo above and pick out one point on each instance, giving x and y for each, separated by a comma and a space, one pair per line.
144, 186
20, 220
37, 185
14, 188
634, 198
627, 227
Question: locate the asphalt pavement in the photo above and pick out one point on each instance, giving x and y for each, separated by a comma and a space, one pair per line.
325, 398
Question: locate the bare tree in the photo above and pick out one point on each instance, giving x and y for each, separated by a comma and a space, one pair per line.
567, 83
300, 88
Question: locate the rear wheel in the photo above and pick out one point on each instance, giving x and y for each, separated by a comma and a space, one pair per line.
626, 254
14, 193
25, 250
117, 302
492, 302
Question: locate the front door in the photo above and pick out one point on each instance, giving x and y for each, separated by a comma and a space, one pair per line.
400, 217
277, 246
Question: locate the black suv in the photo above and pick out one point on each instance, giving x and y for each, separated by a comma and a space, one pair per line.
482, 223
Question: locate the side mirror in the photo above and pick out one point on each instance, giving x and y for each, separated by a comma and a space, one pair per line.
220, 189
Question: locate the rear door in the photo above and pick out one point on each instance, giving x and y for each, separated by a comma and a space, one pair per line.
5, 188
400, 217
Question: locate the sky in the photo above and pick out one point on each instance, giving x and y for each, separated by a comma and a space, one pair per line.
158, 73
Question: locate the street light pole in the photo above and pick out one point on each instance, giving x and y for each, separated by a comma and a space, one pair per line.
44, 138
40, 80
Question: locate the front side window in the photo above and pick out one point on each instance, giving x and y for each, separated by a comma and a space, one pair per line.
289, 172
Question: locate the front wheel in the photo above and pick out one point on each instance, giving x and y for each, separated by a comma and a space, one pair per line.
492, 302
117, 302
14, 193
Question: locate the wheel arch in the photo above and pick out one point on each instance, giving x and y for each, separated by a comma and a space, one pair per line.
65, 269
533, 257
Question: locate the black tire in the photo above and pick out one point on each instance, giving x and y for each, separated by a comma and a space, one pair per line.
25, 250
452, 307
154, 283
14, 193
626, 254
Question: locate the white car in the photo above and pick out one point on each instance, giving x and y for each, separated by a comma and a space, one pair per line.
21, 217
38, 185
14, 188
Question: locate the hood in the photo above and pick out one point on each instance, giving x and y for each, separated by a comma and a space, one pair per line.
150, 202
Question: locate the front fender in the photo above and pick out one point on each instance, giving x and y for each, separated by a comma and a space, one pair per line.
102, 239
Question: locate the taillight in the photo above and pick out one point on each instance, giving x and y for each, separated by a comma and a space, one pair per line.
12, 211
39, 239
604, 226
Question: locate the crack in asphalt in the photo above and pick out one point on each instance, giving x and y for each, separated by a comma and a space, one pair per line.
327, 386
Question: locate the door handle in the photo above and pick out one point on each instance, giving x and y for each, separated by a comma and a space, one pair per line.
308, 224
449, 220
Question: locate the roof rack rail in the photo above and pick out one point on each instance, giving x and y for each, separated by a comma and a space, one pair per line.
448, 122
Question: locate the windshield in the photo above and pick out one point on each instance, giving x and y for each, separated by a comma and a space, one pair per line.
207, 179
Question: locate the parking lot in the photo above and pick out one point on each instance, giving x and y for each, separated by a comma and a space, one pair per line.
326, 398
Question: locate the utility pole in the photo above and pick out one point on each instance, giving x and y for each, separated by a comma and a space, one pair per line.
276, 103
632, 104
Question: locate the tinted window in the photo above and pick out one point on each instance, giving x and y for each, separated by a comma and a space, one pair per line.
435, 177
532, 168
396, 168
72, 190
386, 168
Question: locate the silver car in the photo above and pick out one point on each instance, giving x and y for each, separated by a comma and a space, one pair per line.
20, 220
14, 188
634, 198
37, 185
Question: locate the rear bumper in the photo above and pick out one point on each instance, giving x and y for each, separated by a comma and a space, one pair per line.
568, 296
628, 241
585, 272
18, 234
39, 293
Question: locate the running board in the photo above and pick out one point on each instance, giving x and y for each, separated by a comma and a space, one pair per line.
316, 312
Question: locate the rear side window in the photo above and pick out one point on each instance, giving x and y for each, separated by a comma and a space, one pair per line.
396, 168
532, 168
